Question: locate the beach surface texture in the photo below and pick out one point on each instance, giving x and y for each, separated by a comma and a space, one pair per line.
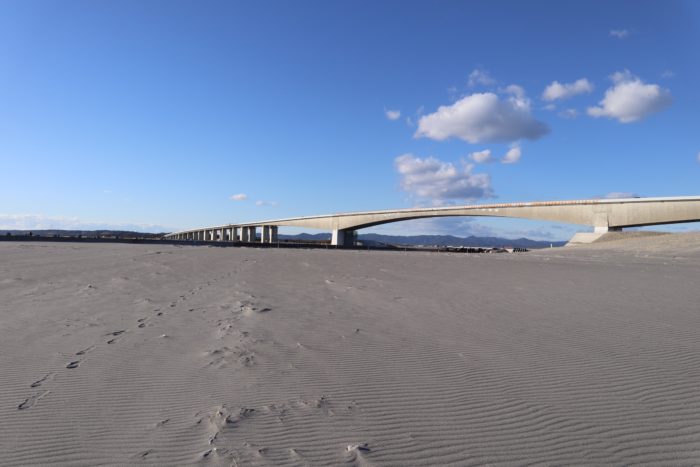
115, 354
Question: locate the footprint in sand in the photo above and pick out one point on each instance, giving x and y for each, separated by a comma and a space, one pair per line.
362, 447
142, 322
162, 422
32, 400
43, 380
73, 364
116, 338
84, 351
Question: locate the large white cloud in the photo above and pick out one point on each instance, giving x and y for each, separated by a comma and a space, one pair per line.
441, 181
630, 99
483, 117
557, 90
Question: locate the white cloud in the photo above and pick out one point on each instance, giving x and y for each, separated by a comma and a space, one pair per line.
439, 181
557, 90
483, 117
486, 156
630, 99
43, 222
620, 195
239, 197
513, 155
517, 91
480, 77
266, 203
568, 114
668, 74
481, 157
392, 114
619, 33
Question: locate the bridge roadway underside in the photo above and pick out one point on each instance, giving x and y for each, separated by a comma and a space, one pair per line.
601, 214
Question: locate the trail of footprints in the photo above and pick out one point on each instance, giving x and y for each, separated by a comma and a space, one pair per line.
112, 338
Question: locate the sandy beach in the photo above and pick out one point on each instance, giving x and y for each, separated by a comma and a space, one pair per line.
181, 355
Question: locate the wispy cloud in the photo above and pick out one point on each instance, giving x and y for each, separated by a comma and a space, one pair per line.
392, 114
619, 33
568, 114
43, 222
239, 197
557, 90
481, 77
481, 157
265, 203
486, 156
513, 155
620, 195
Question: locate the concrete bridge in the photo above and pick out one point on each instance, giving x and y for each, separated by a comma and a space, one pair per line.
601, 214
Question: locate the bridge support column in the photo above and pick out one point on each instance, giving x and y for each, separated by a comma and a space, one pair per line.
234, 234
343, 237
248, 234
268, 234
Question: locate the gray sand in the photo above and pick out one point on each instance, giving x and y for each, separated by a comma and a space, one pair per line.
164, 355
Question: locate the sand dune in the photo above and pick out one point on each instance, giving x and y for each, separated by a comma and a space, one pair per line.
165, 355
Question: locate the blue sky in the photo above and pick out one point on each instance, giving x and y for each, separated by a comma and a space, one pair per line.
153, 115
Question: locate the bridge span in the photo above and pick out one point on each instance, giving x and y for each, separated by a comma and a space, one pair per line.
601, 214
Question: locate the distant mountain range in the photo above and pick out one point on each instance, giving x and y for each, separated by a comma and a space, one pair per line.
435, 240
370, 239
83, 233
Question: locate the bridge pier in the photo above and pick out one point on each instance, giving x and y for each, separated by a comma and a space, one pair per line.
343, 237
268, 234
248, 234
